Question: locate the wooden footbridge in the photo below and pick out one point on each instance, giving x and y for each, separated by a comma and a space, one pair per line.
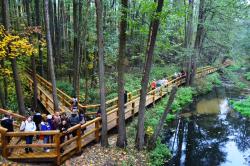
86, 133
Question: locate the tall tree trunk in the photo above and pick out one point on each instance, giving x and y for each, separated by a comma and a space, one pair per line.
189, 39
121, 138
38, 23
144, 82
76, 53
6, 23
100, 41
50, 55
33, 61
199, 38
19, 93
2, 95
153, 140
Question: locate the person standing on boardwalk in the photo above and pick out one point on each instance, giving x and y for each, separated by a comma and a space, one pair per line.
7, 122
74, 105
28, 125
153, 84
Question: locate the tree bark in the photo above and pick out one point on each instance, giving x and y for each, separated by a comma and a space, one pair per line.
50, 55
153, 140
76, 60
6, 23
121, 138
33, 61
100, 40
189, 39
144, 82
199, 38
19, 93
38, 23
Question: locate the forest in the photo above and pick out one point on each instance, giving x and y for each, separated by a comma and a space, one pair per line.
105, 54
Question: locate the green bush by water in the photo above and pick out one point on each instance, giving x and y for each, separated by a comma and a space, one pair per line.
205, 85
243, 106
247, 76
159, 155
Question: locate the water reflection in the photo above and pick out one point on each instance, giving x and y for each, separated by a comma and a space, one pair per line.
213, 135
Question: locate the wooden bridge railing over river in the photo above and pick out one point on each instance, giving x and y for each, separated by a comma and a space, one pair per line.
86, 133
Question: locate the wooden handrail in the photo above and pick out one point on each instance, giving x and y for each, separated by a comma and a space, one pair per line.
28, 133
14, 115
92, 127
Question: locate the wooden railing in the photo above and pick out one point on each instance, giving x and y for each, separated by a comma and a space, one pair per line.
80, 135
65, 99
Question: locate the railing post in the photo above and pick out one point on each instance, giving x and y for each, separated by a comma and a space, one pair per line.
133, 109
40, 94
46, 102
129, 96
153, 97
58, 154
161, 92
4, 144
97, 130
79, 141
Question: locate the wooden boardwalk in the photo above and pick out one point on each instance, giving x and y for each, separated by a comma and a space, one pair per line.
86, 133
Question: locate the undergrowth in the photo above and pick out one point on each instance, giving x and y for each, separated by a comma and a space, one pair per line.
247, 76
242, 106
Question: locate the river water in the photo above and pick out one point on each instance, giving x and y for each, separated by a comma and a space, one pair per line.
210, 133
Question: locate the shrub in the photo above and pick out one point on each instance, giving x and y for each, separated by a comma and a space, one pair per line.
184, 96
243, 106
66, 87
247, 75
159, 155
205, 85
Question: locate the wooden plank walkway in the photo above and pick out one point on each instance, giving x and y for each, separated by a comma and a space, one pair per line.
81, 137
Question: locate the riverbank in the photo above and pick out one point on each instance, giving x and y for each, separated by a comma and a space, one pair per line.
158, 156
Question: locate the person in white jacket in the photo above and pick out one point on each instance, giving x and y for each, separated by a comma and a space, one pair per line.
28, 125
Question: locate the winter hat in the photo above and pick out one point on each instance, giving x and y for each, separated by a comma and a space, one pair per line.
49, 116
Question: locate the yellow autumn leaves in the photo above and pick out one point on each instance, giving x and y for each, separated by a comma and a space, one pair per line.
12, 46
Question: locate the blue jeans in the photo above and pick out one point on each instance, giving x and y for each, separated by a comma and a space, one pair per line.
29, 139
46, 140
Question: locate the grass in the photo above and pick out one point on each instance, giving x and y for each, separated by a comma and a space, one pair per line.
242, 106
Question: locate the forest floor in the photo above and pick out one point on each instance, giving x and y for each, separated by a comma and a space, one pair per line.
98, 156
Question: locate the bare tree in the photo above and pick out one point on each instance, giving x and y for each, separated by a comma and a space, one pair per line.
50, 55
144, 82
153, 140
100, 40
121, 139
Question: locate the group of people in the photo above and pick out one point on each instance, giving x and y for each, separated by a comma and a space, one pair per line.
43, 122
156, 84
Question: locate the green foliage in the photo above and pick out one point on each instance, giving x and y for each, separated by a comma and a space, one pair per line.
158, 72
65, 87
243, 106
234, 67
206, 84
235, 78
247, 75
170, 118
184, 96
159, 155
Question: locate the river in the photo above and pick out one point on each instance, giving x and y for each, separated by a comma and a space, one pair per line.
210, 133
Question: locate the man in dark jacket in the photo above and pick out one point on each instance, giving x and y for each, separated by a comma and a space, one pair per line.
7, 122
74, 120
